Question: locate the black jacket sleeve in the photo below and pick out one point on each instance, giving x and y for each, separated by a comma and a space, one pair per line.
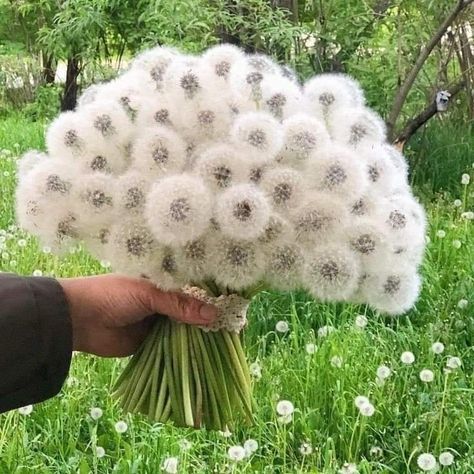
35, 340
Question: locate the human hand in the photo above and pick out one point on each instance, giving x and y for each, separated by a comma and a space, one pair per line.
112, 314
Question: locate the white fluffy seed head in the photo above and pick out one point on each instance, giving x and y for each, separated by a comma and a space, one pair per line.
154, 62
284, 267
221, 59
357, 127
257, 134
338, 172
130, 193
29, 161
242, 212
281, 97
284, 187
237, 264
365, 239
331, 273
317, 219
303, 136
390, 286
327, 93
178, 209
159, 151
221, 167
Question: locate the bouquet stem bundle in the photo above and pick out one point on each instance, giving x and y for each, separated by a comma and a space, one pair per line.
190, 376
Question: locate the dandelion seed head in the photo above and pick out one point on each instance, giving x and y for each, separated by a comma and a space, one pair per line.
26, 410
282, 327
446, 458
407, 357
121, 427
426, 375
453, 363
236, 453
96, 413
437, 348
426, 462
100, 452
170, 465
285, 408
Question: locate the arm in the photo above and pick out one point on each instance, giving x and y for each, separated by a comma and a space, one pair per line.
43, 320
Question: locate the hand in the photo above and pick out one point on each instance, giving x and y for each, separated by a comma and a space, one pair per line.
112, 314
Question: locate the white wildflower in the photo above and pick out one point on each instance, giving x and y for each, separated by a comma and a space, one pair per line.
37, 273
367, 409
170, 465
463, 303
457, 244
282, 326
226, 433
383, 372
407, 357
360, 401
457, 203
236, 453
360, 321
324, 331
306, 449
446, 458
96, 413
184, 444
348, 468
99, 452
453, 363
465, 179
441, 234
426, 462
311, 348
121, 427
285, 419
426, 375
469, 215
337, 361
437, 348
255, 370
250, 446
285, 408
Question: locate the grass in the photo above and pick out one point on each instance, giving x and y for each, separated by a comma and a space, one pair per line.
411, 417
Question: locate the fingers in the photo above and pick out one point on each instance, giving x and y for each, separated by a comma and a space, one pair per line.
182, 307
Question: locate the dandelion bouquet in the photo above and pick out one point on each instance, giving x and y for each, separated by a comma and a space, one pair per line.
221, 175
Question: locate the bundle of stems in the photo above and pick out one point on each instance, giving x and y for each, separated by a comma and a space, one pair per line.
189, 376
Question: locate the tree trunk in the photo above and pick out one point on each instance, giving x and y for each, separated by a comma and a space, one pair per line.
69, 99
49, 69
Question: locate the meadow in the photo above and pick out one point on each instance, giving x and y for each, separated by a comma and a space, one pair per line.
416, 370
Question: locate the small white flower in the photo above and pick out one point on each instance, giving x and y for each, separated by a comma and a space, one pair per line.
325, 331
285, 407
311, 348
457, 203
170, 465
337, 361
282, 326
360, 401
306, 449
121, 427
22, 243
367, 409
226, 433
348, 468
96, 413
105, 264
463, 303
407, 357
441, 234
384, 372
99, 452
37, 273
46, 249
360, 321
236, 453
426, 462
250, 446
457, 244
255, 370
285, 419
465, 179
376, 452
437, 348
469, 215
426, 375
26, 410
453, 363
184, 444
446, 458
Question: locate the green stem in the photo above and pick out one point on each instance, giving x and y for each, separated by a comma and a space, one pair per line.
184, 353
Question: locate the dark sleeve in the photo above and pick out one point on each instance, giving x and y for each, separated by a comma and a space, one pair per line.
35, 340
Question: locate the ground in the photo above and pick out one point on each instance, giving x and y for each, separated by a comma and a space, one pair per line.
326, 358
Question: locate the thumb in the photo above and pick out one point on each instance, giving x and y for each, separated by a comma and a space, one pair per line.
182, 307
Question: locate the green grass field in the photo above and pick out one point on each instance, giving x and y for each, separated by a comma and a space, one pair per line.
327, 433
